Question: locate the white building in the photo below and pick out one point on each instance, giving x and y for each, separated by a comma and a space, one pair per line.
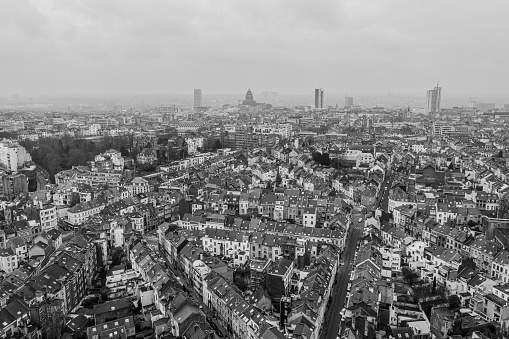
8, 260
80, 213
12, 155
48, 216
309, 217
284, 130
193, 143
139, 185
114, 156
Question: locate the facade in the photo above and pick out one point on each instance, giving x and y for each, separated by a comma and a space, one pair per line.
12, 155
348, 102
48, 217
8, 260
198, 98
433, 100
80, 213
11, 185
319, 98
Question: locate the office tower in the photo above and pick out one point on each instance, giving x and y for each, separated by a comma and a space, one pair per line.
319, 98
433, 100
348, 102
197, 98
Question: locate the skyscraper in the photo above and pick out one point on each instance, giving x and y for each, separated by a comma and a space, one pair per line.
197, 98
433, 100
319, 98
348, 102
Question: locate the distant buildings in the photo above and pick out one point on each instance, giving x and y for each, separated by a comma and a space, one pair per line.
284, 130
446, 128
319, 98
198, 98
433, 100
348, 102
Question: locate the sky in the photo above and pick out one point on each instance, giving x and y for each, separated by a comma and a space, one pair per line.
58, 47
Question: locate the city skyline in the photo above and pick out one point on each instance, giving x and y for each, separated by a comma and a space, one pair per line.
58, 48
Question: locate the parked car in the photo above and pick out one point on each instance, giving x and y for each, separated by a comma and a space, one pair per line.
219, 333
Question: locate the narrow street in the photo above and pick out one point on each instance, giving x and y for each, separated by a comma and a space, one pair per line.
332, 322
383, 201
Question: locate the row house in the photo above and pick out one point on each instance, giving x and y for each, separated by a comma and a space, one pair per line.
80, 213
229, 308
71, 273
392, 236
485, 201
99, 178
500, 267
483, 252
304, 234
315, 289
232, 244
138, 185
391, 261
460, 240
187, 257
404, 215
16, 320
468, 215
435, 234
445, 212
494, 306
399, 198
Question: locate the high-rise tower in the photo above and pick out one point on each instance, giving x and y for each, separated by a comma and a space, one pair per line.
433, 100
198, 98
319, 98
348, 102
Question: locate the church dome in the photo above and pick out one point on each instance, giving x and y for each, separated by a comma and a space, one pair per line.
249, 95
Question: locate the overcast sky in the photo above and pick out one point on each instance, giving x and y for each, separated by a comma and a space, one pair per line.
226, 46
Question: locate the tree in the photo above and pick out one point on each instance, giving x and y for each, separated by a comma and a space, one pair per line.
77, 157
454, 302
241, 277
406, 129
116, 257
409, 275
325, 159
217, 145
124, 152
316, 156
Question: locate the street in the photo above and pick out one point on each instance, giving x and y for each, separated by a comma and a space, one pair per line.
332, 321
383, 201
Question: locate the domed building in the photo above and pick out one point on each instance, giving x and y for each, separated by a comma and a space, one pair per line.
249, 99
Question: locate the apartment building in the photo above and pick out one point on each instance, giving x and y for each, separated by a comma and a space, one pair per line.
12, 155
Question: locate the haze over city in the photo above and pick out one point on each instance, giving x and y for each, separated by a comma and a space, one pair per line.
264, 169
347, 47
